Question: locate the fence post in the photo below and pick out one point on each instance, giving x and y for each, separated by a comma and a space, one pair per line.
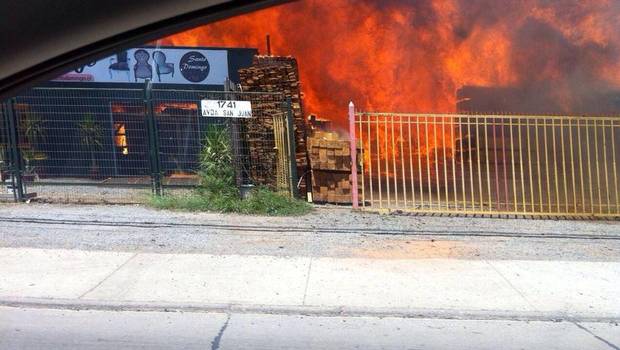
14, 153
353, 144
235, 136
290, 128
153, 139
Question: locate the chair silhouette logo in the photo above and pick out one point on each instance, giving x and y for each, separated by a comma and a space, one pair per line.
194, 66
119, 64
142, 69
161, 66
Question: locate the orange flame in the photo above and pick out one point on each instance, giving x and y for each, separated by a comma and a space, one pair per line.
404, 55
412, 55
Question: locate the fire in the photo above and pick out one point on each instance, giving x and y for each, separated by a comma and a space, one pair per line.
412, 56
162, 107
397, 141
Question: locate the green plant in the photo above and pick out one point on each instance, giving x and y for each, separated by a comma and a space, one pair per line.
217, 191
91, 136
266, 202
33, 134
216, 162
261, 201
31, 126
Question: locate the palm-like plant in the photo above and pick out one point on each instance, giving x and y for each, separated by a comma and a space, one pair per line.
91, 136
216, 161
31, 127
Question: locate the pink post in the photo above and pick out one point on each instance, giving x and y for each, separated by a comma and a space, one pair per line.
353, 142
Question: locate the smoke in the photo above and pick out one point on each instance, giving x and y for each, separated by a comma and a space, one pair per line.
552, 56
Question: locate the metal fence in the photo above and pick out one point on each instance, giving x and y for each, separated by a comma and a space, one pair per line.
121, 145
11, 186
489, 164
260, 145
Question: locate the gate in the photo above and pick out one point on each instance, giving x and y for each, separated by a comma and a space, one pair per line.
489, 164
122, 144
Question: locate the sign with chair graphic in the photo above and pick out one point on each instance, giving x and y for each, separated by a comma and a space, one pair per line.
166, 65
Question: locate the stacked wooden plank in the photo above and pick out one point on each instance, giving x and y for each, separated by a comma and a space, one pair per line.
259, 135
331, 187
278, 75
330, 159
329, 152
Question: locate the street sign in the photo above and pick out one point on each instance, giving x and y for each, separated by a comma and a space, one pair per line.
226, 109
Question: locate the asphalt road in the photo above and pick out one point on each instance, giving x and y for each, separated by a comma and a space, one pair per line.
62, 329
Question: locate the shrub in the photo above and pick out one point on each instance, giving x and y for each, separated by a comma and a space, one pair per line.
264, 201
216, 162
217, 190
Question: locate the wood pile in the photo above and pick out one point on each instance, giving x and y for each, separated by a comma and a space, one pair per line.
329, 152
278, 75
330, 159
261, 145
331, 187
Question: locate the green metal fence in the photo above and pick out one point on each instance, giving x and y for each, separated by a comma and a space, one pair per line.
123, 144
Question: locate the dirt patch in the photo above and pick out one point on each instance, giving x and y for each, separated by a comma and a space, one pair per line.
414, 249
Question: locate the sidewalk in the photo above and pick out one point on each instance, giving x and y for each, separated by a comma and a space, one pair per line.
420, 287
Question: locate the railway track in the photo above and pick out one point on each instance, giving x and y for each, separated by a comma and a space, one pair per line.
445, 232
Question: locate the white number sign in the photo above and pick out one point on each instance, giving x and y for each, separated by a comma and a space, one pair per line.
226, 109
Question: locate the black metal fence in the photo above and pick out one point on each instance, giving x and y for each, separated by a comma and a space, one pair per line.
122, 144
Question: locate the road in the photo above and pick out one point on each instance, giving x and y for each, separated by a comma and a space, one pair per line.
64, 329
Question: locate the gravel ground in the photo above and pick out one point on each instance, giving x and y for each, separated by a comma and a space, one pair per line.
328, 231
68, 194
88, 194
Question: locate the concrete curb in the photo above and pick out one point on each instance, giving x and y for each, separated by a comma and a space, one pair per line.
304, 310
